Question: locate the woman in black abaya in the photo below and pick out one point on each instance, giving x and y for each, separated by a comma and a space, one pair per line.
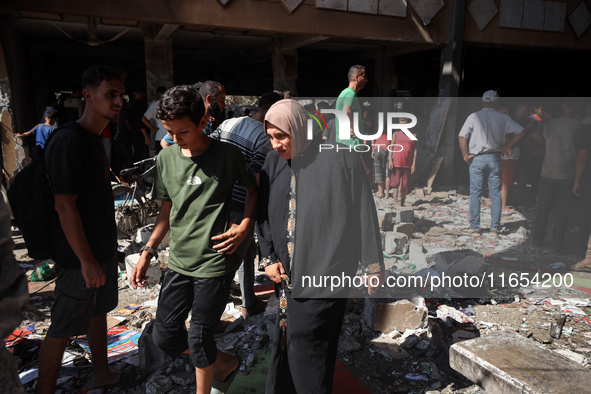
317, 219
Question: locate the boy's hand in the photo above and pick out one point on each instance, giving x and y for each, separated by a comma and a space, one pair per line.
274, 272
412, 169
138, 275
233, 238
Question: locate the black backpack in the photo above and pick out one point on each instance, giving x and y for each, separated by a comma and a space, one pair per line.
33, 206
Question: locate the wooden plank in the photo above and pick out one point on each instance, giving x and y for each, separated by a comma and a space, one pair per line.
433, 172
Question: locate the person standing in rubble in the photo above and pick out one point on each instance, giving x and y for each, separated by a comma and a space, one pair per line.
331, 236
402, 162
481, 142
582, 188
86, 237
563, 136
42, 132
194, 181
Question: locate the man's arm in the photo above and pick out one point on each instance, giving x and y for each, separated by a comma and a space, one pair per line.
146, 121
349, 112
512, 140
138, 275
146, 136
237, 232
22, 135
579, 168
71, 222
465, 152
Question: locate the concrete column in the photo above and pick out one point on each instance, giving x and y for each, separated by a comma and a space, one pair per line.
17, 80
159, 64
12, 154
449, 86
285, 67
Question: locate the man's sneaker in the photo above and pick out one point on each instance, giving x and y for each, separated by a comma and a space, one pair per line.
475, 233
493, 233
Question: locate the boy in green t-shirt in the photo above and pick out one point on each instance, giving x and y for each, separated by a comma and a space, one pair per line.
194, 180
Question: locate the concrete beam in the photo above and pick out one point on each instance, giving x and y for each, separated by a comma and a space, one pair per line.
291, 43
163, 32
266, 16
505, 362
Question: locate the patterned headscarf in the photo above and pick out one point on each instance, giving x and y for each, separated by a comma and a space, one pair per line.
290, 117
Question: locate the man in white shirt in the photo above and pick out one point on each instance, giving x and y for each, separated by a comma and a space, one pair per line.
149, 119
481, 142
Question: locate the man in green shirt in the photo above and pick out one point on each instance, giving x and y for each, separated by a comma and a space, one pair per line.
194, 181
349, 104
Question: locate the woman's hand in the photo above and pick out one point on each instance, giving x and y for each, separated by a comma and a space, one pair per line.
274, 272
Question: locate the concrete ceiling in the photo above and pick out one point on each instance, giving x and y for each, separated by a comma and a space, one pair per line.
205, 39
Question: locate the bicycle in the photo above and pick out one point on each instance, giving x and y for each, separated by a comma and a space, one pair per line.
133, 206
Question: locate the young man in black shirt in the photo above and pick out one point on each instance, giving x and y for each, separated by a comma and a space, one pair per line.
85, 238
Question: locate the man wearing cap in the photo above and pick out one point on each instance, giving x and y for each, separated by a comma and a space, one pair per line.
481, 142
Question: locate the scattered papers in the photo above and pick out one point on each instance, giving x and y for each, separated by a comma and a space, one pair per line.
118, 346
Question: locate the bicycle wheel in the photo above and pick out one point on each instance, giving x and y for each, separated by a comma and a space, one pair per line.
130, 213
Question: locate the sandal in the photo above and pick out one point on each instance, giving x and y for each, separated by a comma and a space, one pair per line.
581, 267
222, 386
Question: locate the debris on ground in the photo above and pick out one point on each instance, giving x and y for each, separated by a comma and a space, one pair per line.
393, 344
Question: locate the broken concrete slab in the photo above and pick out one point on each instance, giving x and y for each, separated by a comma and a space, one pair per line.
505, 362
451, 326
388, 343
400, 315
394, 243
541, 336
422, 254
570, 355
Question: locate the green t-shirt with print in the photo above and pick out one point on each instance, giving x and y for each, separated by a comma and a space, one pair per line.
200, 188
349, 97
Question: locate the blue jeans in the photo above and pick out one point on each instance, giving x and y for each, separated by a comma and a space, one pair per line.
491, 167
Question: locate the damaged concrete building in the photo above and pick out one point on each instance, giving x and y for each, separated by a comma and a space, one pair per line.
413, 48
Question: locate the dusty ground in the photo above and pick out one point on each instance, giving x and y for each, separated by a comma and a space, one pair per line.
424, 366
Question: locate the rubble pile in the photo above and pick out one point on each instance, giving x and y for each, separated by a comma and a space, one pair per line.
397, 344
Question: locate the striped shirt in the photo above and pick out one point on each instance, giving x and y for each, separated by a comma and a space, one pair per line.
250, 137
